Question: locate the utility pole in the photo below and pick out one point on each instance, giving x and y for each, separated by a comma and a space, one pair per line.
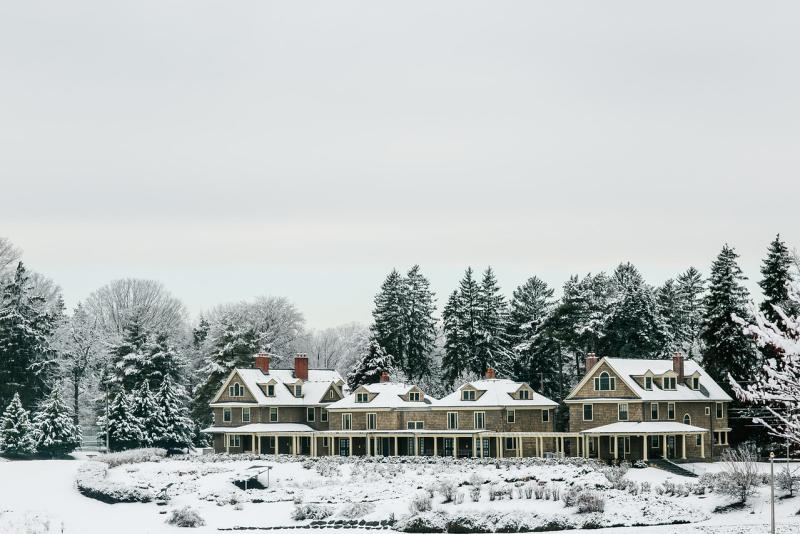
772, 491
108, 440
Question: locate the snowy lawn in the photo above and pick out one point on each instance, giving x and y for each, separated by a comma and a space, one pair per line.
41, 496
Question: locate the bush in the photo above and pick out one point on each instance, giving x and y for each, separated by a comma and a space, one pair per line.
475, 493
421, 502
132, 456
91, 481
570, 497
356, 510
787, 480
447, 488
311, 511
424, 522
616, 475
590, 501
739, 477
185, 517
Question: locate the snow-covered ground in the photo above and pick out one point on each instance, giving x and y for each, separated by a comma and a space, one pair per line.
40, 497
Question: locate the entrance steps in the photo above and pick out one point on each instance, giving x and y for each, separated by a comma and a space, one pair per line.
671, 467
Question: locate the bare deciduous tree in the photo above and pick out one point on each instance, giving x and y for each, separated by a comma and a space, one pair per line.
740, 476
9, 254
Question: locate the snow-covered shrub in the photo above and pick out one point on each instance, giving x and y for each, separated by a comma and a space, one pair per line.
91, 481
298, 498
616, 475
475, 493
639, 464
590, 501
447, 488
538, 492
311, 511
328, 469
356, 510
570, 497
528, 491
787, 480
424, 522
421, 502
740, 476
556, 493
475, 479
132, 456
459, 497
645, 487
633, 487
185, 517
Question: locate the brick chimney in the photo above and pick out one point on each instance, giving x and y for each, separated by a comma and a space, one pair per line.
385, 376
591, 360
490, 375
677, 365
262, 362
301, 366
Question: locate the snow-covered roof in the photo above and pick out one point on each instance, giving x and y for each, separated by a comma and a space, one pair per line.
647, 427
258, 427
386, 395
627, 368
497, 392
314, 388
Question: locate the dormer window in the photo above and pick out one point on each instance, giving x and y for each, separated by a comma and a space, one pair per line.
604, 382
236, 390
362, 397
695, 382
669, 383
331, 394
413, 396
648, 383
524, 394
468, 395
270, 390
298, 390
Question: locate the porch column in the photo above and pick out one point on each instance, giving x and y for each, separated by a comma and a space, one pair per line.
227, 443
702, 445
294, 445
616, 447
276, 444
683, 446
562, 446
541, 447
313, 445
396, 450
367, 440
644, 448
501, 449
664, 445
519, 447
435, 445
350, 446
416, 445
455, 446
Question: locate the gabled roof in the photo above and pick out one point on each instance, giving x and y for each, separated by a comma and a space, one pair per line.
386, 395
497, 393
319, 380
627, 368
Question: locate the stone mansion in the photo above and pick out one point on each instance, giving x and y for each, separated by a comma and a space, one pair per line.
621, 409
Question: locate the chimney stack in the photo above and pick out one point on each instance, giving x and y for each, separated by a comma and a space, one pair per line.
490, 374
262, 362
301, 366
677, 365
384, 376
591, 360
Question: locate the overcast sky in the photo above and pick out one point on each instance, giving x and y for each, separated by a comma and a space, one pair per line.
230, 149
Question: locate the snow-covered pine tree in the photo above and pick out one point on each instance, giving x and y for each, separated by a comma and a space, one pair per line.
670, 306
727, 350
163, 359
123, 427
453, 361
531, 305
389, 318
374, 361
26, 326
147, 410
17, 434
691, 289
177, 429
419, 325
493, 349
776, 275
128, 357
57, 434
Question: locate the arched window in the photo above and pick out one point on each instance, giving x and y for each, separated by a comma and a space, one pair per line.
604, 382
687, 419
236, 390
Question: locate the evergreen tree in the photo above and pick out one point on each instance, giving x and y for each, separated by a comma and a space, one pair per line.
419, 325
78, 347
463, 327
493, 348
123, 427
147, 410
727, 350
57, 434
691, 288
371, 364
776, 275
176, 426
128, 356
17, 434
670, 307
453, 361
26, 326
531, 306
389, 318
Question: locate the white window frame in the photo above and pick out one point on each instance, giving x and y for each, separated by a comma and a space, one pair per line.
708, 410
234, 440
227, 415
670, 411
620, 410
235, 390
598, 382
648, 383
270, 390
591, 411
413, 396
246, 411
415, 425
331, 394
511, 416
482, 417
324, 441
274, 410
684, 419
323, 415
454, 416
311, 412
698, 440
510, 444
298, 390
719, 410
362, 397
372, 421
653, 442
669, 383
654, 405
695, 383
545, 416
347, 421
468, 395
524, 394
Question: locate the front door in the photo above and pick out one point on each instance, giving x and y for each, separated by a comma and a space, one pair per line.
344, 447
671, 447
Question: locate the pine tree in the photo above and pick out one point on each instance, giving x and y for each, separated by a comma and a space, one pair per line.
123, 427
531, 306
670, 306
26, 326
147, 410
78, 347
776, 275
691, 288
419, 325
57, 434
493, 347
177, 429
727, 350
17, 434
389, 318
128, 356
371, 364
453, 361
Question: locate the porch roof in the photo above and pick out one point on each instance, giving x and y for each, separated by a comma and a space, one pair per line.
646, 427
260, 428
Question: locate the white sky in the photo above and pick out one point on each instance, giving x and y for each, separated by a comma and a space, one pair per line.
303, 149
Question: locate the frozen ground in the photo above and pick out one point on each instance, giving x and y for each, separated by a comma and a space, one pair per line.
40, 497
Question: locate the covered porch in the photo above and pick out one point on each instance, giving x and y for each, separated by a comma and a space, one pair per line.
268, 438
644, 441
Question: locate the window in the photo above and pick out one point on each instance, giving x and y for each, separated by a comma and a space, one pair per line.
524, 394
413, 396
480, 420
510, 443
648, 383
654, 411
324, 442
234, 440
270, 390
372, 421
347, 421
236, 390
545, 416
226, 415
415, 425
719, 410
331, 394
627, 445
510, 416
273, 415
653, 442
310, 415
468, 395
622, 411
452, 420
669, 383
298, 390
362, 397
604, 382
708, 410
687, 419
323, 415
245, 415
698, 440
695, 382
671, 411
588, 412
